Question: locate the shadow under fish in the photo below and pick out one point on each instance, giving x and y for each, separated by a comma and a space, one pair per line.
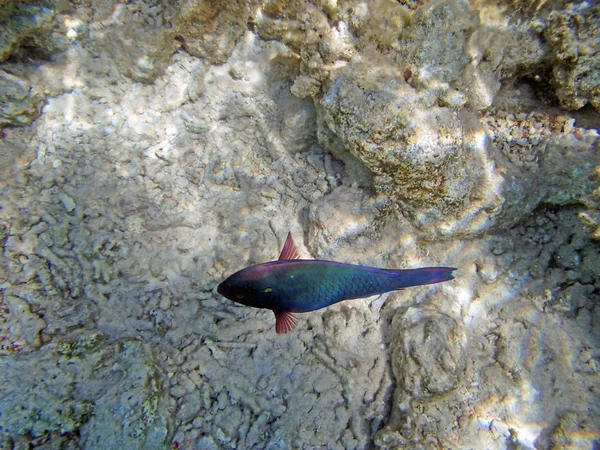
291, 285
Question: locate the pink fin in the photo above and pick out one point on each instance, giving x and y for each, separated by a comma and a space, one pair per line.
285, 321
289, 249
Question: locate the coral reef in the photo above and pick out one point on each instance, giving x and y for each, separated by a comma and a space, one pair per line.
138, 37
103, 394
149, 149
419, 152
573, 34
20, 103
31, 29
429, 353
210, 29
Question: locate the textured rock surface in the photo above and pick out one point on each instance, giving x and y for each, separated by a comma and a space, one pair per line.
210, 29
15, 156
20, 103
428, 357
401, 115
573, 34
138, 38
524, 331
125, 203
31, 29
430, 23
423, 156
102, 393
500, 52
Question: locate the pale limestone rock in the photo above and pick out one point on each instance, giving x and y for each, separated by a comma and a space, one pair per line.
573, 34
20, 103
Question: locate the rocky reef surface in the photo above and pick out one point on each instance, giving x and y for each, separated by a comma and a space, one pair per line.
151, 148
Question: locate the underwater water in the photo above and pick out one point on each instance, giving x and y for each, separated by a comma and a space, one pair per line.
149, 150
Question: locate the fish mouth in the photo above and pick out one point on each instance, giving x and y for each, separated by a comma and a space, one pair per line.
220, 289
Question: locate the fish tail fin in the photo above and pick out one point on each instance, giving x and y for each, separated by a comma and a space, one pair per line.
418, 277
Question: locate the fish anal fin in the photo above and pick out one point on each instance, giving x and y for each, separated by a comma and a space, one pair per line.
285, 321
289, 250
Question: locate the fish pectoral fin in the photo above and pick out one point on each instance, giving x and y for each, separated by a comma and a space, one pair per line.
289, 250
285, 321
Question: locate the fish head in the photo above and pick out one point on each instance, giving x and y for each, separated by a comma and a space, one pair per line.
244, 288
233, 290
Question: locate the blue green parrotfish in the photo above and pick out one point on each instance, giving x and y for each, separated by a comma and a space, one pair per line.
292, 285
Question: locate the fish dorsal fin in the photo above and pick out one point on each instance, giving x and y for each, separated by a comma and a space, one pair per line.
289, 250
285, 321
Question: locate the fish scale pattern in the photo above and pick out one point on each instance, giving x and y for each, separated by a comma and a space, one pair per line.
349, 284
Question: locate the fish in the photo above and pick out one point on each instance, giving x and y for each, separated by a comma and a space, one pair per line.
292, 285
